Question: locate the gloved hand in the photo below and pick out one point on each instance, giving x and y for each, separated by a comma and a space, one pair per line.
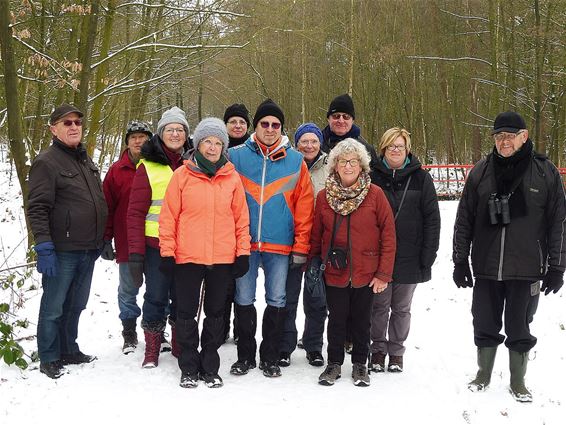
135, 265
462, 275
108, 252
46, 258
297, 260
553, 281
167, 265
240, 266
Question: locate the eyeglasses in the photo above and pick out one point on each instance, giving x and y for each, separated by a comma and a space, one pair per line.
241, 123
501, 137
210, 143
337, 116
353, 162
68, 123
307, 142
274, 125
174, 130
400, 148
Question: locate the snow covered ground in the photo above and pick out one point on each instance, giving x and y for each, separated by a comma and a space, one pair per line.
439, 361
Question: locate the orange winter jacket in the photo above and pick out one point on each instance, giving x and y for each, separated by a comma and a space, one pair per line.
204, 220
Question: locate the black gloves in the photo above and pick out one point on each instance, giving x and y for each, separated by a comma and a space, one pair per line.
297, 260
167, 265
552, 282
107, 251
241, 266
135, 265
462, 275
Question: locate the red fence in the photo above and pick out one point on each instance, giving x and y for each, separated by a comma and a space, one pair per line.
449, 179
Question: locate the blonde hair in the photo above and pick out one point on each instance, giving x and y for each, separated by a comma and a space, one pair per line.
348, 146
391, 135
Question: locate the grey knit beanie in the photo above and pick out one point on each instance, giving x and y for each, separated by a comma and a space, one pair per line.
211, 127
173, 115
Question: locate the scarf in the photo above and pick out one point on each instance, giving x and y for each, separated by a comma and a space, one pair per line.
207, 167
235, 141
331, 139
345, 200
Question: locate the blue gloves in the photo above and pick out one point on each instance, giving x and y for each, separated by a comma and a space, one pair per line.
46, 258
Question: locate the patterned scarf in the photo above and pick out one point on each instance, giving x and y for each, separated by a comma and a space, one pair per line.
345, 200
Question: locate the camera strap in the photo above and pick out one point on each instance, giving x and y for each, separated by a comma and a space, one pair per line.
335, 227
403, 197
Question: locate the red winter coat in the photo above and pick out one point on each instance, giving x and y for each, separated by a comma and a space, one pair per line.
116, 186
372, 235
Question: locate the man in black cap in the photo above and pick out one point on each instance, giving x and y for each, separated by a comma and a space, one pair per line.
341, 115
67, 213
512, 213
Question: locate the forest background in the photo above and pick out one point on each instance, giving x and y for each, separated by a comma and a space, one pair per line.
441, 68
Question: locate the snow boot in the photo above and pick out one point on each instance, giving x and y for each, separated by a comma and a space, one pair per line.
130, 336
189, 380
377, 362
360, 375
212, 380
53, 370
152, 347
271, 330
518, 368
486, 359
77, 358
315, 358
330, 374
395, 364
246, 327
165, 345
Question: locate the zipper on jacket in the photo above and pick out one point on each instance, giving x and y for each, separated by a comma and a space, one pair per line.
260, 219
68, 224
541, 262
501, 252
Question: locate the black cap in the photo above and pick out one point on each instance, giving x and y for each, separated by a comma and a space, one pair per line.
266, 108
237, 110
63, 110
137, 127
342, 103
510, 122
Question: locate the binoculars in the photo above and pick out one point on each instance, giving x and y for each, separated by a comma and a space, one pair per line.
499, 209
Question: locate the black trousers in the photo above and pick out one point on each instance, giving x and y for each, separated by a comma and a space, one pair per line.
188, 280
516, 302
353, 304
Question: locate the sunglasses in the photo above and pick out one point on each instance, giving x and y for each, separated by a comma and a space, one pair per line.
274, 125
337, 116
68, 123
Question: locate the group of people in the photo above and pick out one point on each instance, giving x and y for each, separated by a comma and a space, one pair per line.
356, 229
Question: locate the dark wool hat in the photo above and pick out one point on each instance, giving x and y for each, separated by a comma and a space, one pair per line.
308, 127
342, 103
510, 122
266, 108
137, 127
63, 110
237, 110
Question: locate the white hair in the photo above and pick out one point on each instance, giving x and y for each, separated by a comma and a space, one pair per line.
348, 146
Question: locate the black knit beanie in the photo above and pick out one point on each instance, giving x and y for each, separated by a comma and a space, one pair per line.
237, 110
342, 103
266, 108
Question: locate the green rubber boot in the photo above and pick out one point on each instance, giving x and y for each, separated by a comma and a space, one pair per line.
518, 367
486, 359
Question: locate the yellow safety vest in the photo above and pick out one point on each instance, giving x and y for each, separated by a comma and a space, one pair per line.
159, 176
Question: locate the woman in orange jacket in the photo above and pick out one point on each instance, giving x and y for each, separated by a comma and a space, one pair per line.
204, 234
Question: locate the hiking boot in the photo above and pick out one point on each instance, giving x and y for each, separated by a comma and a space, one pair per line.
518, 368
377, 363
76, 358
360, 375
242, 367
130, 341
395, 364
189, 380
300, 344
315, 358
152, 347
212, 380
486, 359
270, 369
330, 374
165, 345
284, 360
348, 347
53, 370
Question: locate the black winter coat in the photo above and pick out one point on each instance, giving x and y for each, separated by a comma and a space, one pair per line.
418, 221
66, 202
525, 248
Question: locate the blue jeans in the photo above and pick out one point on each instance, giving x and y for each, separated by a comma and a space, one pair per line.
157, 292
127, 294
65, 296
275, 269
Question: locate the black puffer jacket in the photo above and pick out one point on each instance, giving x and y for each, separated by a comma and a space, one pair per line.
66, 202
532, 242
418, 222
